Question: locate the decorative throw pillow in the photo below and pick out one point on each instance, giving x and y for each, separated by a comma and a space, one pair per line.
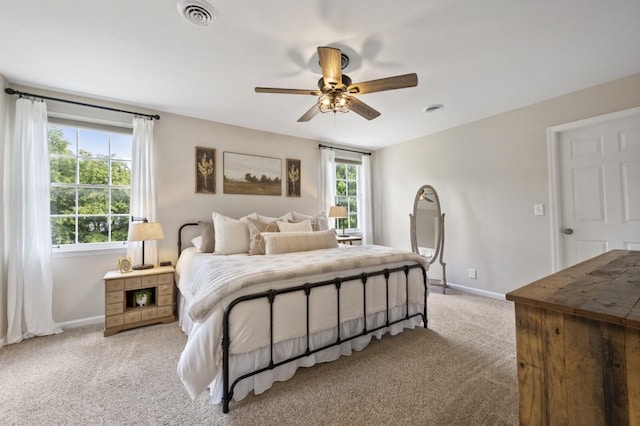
256, 228
207, 233
256, 242
231, 235
295, 227
289, 242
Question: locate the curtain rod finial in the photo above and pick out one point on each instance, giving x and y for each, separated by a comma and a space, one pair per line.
10, 91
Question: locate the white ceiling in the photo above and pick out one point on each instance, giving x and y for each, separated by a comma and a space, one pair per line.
478, 58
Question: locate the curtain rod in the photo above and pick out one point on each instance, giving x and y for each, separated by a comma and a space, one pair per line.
320, 146
10, 91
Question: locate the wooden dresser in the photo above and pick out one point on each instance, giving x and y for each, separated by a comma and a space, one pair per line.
578, 344
121, 312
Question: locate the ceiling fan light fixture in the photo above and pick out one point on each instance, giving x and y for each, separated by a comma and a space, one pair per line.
336, 91
334, 102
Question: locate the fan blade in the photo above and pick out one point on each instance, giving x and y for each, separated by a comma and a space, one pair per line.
389, 83
331, 64
363, 109
288, 91
309, 114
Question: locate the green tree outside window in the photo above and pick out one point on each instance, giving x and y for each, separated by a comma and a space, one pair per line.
90, 185
347, 194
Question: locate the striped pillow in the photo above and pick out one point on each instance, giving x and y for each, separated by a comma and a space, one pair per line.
290, 242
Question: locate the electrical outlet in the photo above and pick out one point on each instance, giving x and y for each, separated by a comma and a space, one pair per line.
472, 273
538, 209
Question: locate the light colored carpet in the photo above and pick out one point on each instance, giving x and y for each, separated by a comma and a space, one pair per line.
460, 371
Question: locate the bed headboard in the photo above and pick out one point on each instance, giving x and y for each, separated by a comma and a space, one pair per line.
180, 230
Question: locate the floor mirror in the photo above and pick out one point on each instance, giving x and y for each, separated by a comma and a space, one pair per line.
427, 230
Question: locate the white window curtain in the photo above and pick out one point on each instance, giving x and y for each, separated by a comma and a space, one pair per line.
327, 179
143, 194
27, 226
365, 203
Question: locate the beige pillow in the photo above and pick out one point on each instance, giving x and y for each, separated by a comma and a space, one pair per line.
290, 242
256, 228
256, 242
231, 235
295, 227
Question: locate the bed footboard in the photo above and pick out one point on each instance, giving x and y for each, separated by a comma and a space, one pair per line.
307, 288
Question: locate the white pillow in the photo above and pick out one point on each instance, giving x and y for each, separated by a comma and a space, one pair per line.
295, 227
319, 222
267, 219
197, 242
299, 217
290, 242
287, 217
232, 235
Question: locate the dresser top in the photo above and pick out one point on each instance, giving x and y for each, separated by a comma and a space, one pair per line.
605, 288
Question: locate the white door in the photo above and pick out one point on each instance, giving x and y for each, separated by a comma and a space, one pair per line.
600, 189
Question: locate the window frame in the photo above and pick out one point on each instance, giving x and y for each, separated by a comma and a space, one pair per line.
356, 198
105, 127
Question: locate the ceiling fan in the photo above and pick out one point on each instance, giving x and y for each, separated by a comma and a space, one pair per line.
337, 92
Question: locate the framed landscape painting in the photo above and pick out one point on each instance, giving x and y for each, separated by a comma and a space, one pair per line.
294, 177
251, 174
205, 170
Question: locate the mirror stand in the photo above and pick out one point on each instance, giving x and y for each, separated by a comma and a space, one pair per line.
427, 230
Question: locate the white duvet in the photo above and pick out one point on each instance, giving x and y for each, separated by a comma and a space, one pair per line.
208, 283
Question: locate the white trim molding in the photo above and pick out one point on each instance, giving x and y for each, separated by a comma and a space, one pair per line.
477, 291
81, 322
553, 157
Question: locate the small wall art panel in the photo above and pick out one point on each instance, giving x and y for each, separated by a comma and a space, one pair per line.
205, 170
294, 177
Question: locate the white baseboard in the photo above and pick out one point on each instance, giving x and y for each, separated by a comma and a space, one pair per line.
69, 325
81, 322
477, 291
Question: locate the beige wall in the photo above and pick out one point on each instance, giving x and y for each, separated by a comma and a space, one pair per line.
3, 282
489, 174
78, 288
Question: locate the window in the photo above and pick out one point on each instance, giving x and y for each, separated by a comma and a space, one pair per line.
90, 184
347, 193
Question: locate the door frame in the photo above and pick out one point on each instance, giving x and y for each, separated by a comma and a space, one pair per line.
553, 159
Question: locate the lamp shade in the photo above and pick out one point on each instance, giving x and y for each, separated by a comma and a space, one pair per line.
145, 231
338, 211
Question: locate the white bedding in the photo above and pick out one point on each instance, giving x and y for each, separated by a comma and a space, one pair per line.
205, 294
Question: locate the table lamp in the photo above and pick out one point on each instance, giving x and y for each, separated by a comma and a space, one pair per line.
339, 212
144, 231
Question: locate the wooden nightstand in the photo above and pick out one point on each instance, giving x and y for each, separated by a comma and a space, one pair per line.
120, 311
348, 239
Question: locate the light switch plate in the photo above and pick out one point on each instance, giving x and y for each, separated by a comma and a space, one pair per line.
538, 209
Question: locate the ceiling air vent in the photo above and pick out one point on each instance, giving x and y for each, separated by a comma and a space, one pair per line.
197, 12
434, 108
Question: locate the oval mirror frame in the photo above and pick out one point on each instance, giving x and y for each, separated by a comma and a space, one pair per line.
429, 194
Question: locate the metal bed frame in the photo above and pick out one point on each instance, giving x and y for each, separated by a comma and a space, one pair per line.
270, 295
